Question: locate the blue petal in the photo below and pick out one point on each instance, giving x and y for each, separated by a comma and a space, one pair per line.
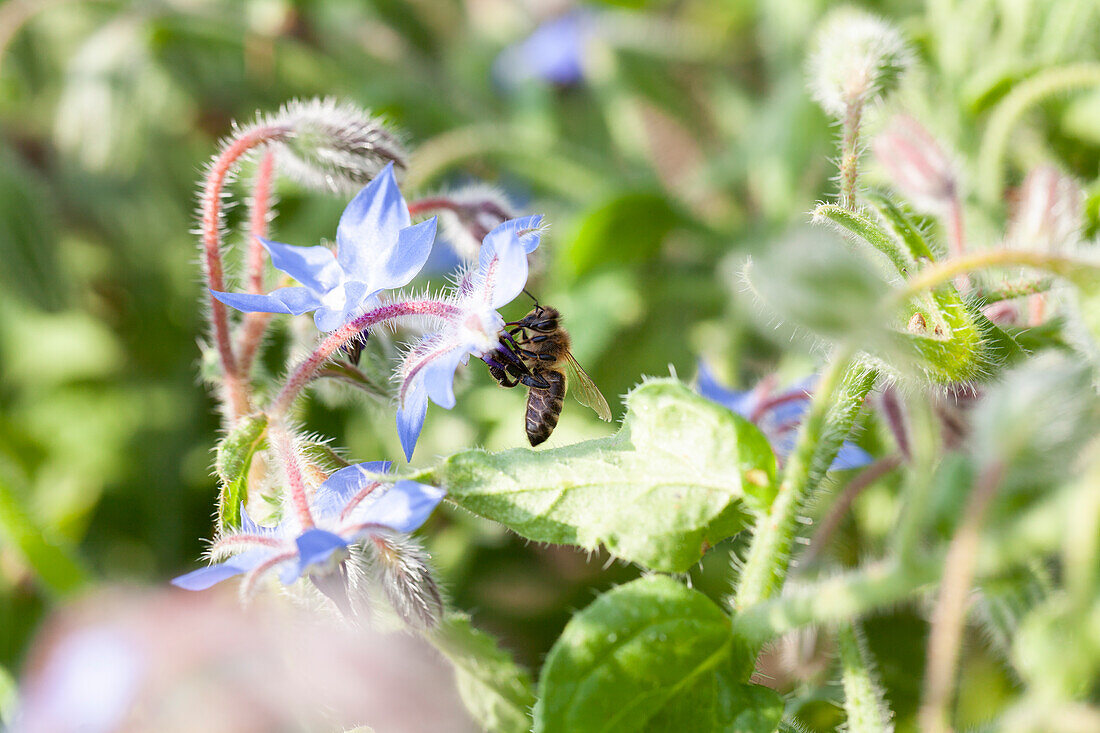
284, 300
503, 258
407, 258
340, 487
204, 578
788, 412
367, 234
405, 506
743, 403
554, 52
439, 377
849, 456
410, 416
314, 267
315, 546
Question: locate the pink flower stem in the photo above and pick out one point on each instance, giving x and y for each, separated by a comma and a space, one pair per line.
307, 370
255, 324
288, 452
431, 203
956, 239
237, 392
244, 539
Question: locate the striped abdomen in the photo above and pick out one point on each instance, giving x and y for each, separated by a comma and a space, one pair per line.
544, 406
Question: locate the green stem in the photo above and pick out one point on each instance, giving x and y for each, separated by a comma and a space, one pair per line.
766, 566
1028, 93
887, 582
864, 703
51, 560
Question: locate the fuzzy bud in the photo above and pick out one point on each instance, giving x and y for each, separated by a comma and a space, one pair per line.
916, 164
855, 58
333, 146
1047, 214
407, 581
467, 214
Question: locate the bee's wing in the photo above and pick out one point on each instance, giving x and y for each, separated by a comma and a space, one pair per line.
585, 390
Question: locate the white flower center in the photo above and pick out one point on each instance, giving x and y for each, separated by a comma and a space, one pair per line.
481, 330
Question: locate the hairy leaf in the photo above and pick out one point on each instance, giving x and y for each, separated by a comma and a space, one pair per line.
496, 691
234, 459
651, 655
677, 477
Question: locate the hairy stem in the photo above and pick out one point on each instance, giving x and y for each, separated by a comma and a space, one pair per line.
949, 617
849, 154
941, 272
766, 566
864, 703
287, 449
304, 373
255, 324
238, 401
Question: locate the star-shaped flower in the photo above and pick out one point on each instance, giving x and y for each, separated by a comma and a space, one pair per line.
346, 510
473, 327
376, 250
777, 414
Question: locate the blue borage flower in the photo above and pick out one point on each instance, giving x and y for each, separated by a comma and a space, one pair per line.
554, 52
778, 415
376, 250
472, 328
346, 509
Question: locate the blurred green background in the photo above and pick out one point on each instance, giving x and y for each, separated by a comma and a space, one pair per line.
689, 143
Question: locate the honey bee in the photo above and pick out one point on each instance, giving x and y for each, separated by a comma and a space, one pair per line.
534, 352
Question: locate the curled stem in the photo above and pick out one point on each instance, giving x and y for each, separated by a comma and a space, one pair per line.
238, 400
1043, 85
304, 373
941, 272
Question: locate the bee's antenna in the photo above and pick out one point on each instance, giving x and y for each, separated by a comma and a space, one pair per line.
536, 300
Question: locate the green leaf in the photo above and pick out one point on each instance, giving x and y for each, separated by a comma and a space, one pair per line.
901, 227
679, 476
497, 692
651, 655
867, 230
234, 459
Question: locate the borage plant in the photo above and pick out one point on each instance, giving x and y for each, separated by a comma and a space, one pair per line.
959, 380
923, 338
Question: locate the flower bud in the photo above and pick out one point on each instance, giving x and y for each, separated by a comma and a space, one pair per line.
855, 58
467, 214
1047, 213
407, 581
333, 146
916, 164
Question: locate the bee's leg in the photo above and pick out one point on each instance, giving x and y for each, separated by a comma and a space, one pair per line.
536, 381
499, 372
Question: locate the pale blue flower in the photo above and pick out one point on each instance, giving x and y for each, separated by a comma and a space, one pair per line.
554, 52
472, 329
351, 505
778, 415
376, 250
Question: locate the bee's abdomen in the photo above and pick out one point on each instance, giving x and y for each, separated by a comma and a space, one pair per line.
544, 407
